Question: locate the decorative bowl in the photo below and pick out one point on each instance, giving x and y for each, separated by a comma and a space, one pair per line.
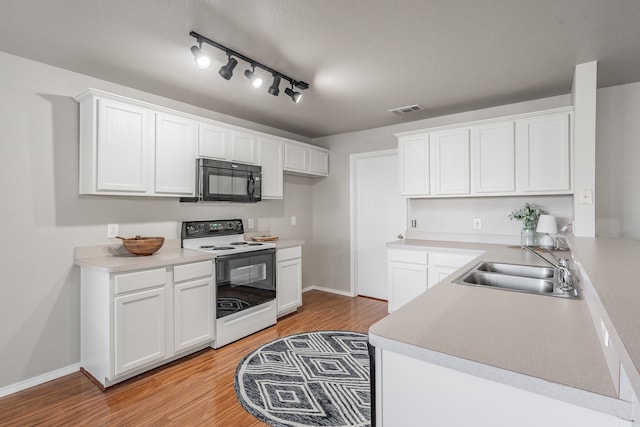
143, 246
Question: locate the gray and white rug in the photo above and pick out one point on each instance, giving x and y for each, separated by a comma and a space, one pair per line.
312, 379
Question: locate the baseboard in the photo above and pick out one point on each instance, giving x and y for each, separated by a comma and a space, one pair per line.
329, 290
40, 379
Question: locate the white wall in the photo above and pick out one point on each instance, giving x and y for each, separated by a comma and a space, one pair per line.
43, 218
331, 195
456, 215
618, 162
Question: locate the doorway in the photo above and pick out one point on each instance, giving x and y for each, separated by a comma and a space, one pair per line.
378, 216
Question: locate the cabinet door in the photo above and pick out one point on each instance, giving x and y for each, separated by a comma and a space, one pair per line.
243, 148
414, 165
545, 142
318, 162
271, 157
175, 155
494, 161
451, 155
140, 330
406, 281
296, 157
214, 142
436, 274
193, 313
125, 144
289, 279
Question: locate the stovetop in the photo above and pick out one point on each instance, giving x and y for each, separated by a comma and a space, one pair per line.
220, 237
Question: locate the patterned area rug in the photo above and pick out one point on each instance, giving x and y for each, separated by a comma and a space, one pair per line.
311, 379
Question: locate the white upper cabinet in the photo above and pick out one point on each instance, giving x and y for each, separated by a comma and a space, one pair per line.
318, 161
526, 154
296, 157
122, 149
243, 147
271, 160
305, 159
130, 147
545, 153
494, 158
214, 142
414, 165
175, 154
450, 156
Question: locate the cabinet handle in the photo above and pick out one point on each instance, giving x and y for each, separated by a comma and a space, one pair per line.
400, 236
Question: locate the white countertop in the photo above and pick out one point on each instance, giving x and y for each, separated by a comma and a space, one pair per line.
544, 344
115, 259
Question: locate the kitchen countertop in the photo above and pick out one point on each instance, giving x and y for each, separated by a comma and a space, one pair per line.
114, 258
543, 344
284, 244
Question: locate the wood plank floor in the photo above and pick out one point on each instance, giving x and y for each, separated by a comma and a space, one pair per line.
197, 390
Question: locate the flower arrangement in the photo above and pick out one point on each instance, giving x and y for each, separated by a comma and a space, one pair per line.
528, 214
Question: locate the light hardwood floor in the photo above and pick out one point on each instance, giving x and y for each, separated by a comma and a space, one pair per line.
193, 391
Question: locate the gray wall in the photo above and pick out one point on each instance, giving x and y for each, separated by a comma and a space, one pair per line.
618, 162
43, 217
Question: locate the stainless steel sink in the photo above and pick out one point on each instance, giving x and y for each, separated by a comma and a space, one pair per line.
520, 270
516, 277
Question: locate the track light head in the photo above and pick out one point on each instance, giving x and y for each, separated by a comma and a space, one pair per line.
274, 89
202, 60
295, 96
255, 80
226, 71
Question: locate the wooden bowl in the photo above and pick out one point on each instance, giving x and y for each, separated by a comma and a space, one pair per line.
143, 246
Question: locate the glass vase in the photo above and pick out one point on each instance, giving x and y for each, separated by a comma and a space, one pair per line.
528, 237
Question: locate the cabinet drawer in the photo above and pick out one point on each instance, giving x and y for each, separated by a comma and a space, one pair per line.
289, 253
192, 271
445, 259
413, 257
139, 280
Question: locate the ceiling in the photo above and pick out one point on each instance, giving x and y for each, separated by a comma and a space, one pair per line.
360, 57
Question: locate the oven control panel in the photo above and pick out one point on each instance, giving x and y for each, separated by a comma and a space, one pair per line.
197, 229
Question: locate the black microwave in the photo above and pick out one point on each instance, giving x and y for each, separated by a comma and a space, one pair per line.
219, 181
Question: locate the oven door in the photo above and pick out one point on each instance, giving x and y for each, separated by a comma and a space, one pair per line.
244, 280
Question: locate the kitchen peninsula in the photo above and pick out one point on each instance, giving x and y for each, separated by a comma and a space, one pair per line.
459, 355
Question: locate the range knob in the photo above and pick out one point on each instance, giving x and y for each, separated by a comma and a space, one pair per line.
190, 229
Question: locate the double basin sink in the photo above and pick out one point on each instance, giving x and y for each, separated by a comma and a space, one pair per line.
517, 277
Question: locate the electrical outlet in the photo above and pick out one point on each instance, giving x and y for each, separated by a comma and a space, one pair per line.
250, 223
414, 223
477, 224
293, 220
112, 230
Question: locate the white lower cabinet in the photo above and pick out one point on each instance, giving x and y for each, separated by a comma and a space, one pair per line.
194, 313
140, 329
289, 279
411, 272
135, 321
412, 392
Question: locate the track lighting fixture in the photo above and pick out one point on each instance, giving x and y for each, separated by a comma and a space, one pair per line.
295, 96
202, 60
274, 89
226, 71
255, 80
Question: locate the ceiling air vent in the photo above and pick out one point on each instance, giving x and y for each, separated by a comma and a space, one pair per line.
406, 110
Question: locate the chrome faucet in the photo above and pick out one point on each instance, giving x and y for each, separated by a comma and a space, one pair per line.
565, 278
